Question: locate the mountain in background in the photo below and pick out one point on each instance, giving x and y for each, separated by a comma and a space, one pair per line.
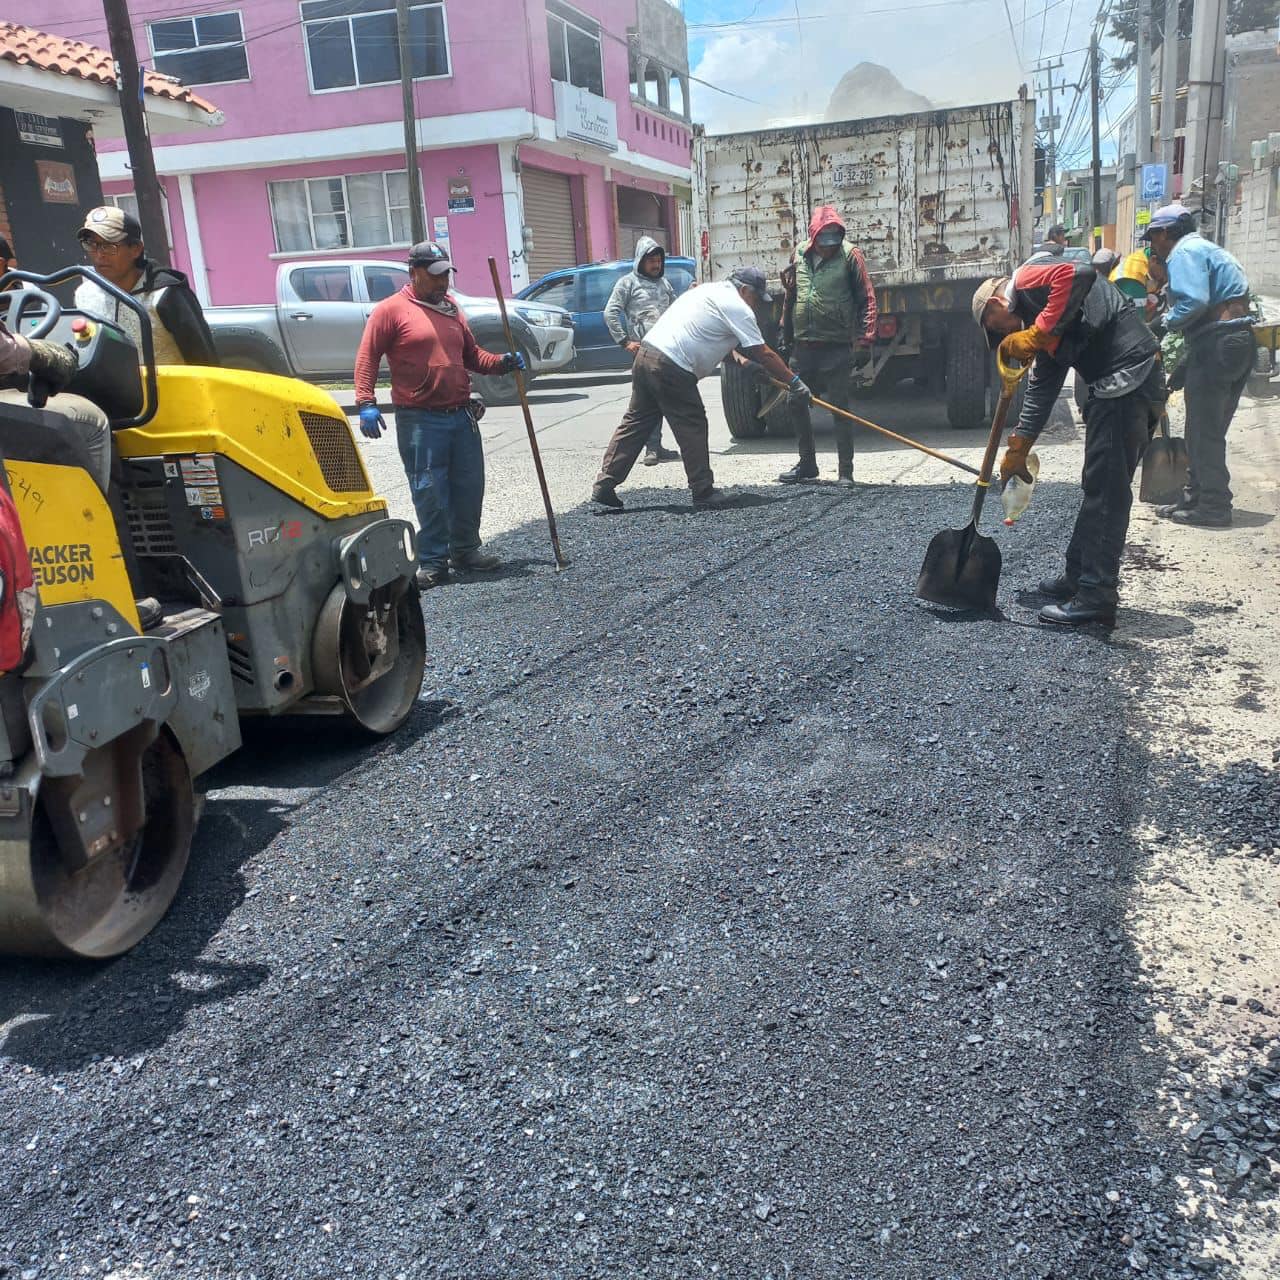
872, 90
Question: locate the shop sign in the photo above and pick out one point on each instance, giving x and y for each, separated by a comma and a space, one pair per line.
461, 198
43, 131
57, 182
584, 117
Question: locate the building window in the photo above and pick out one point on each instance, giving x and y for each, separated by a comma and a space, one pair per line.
575, 48
359, 211
353, 42
204, 50
129, 203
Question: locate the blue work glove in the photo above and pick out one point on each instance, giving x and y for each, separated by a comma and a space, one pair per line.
800, 393
371, 423
512, 361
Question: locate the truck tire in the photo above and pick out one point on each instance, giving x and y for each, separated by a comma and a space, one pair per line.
740, 396
968, 361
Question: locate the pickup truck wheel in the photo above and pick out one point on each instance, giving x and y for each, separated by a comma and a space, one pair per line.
247, 363
740, 396
500, 389
967, 363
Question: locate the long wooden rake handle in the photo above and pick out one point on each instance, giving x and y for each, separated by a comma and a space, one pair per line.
528, 419
884, 431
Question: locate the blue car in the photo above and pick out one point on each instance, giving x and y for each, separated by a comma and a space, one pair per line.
583, 292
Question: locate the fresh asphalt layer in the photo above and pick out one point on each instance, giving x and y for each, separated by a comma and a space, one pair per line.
721, 910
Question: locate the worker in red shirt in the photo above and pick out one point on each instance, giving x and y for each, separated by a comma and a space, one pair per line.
430, 350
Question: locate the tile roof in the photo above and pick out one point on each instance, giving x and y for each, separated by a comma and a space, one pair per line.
28, 47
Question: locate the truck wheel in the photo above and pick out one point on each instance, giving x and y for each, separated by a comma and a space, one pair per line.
249, 364
740, 396
497, 389
966, 372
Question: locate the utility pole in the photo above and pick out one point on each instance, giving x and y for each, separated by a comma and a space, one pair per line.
142, 164
1096, 238
1169, 89
1204, 114
1050, 124
417, 218
1143, 86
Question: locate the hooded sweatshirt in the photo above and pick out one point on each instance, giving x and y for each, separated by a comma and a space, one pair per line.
179, 332
637, 300
834, 300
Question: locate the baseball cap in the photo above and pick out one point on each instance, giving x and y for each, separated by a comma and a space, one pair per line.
830, 235
985, 292
110, 224
754, 279
1167, 216
426, 253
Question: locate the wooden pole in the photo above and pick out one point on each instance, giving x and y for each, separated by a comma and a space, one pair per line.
528, 418
142, 163
417, 218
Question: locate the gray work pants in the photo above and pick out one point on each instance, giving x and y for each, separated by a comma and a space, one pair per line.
85, 422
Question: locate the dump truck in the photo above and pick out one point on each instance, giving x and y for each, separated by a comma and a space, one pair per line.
936, 201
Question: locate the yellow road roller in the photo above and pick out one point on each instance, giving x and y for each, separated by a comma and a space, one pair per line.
239, 504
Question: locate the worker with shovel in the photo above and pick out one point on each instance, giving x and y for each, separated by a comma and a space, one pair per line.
1059, 315
1209, 305
829, 309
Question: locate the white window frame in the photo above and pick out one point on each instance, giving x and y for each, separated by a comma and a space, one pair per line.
386, 174
593, 30
226, 44
375, 84
114, 201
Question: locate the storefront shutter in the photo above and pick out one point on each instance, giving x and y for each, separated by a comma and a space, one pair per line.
548, 211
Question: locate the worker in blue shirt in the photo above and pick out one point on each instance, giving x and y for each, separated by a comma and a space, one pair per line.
1209, 305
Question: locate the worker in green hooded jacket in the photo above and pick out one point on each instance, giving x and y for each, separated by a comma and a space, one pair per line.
829, 313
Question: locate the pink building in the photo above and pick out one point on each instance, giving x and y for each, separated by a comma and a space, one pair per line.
548, 134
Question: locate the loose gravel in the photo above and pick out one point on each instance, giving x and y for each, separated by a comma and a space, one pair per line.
722, 911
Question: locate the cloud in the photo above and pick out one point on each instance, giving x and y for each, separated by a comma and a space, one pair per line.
952, 54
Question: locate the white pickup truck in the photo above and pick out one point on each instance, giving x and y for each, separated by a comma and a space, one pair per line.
313, 329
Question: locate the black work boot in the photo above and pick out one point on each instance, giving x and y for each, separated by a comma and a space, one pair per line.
1200, 516
1079, 613
712, 499
1059, 588
475, 562
804, 470
605, 494
650, 458
1184, 503
431, 575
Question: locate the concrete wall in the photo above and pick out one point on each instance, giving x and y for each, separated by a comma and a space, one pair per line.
1253, 94
1253, 228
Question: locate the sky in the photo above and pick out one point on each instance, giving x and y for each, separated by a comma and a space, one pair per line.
952, 51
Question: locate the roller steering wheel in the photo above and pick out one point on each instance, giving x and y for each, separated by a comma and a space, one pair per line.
18, 300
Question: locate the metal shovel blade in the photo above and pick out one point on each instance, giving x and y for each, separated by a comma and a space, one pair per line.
961, 570
1164, 470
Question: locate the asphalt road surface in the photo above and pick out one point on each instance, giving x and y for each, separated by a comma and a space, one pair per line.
720, 911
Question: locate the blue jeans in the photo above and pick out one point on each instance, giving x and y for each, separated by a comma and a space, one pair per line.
444, 462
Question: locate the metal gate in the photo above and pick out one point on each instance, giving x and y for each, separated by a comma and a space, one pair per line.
548, 212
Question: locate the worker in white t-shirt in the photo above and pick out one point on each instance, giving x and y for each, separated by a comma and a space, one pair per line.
688, 341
